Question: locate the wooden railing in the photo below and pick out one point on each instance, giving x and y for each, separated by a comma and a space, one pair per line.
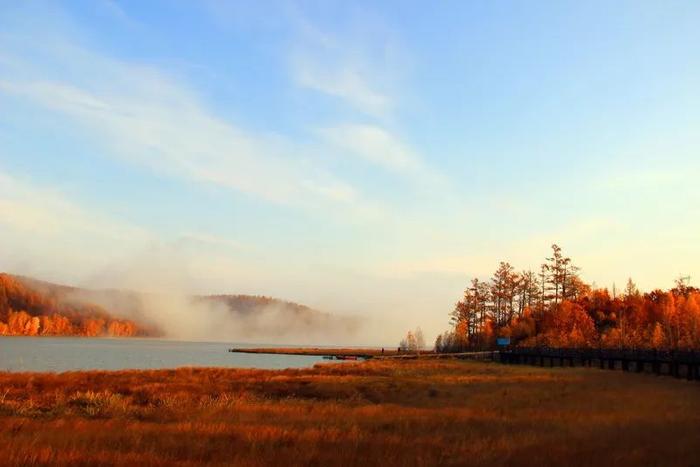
489, 355
677, 363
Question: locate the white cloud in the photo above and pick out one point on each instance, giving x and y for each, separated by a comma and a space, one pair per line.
342, 81
373, 144
143, 116
171, 133
361, 67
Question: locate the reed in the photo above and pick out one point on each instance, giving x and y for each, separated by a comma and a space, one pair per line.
382, 412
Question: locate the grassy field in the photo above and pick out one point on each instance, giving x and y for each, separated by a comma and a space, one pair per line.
381, 412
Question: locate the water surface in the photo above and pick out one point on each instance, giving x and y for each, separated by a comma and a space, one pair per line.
83, 353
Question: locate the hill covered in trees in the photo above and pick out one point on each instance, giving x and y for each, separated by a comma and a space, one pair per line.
553, 307
33, 308
29, 307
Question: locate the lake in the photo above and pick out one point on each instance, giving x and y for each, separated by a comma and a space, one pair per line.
70, 353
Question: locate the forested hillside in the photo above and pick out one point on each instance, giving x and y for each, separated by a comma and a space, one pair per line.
554, 307
33, 308
29, 307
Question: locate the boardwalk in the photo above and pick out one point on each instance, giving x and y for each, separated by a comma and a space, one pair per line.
679, 364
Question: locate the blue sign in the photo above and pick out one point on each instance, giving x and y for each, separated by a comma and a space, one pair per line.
503, 341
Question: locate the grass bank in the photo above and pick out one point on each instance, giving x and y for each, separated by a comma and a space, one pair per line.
381, 412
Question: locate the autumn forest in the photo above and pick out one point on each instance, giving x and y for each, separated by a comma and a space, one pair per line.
553, 307
30, 311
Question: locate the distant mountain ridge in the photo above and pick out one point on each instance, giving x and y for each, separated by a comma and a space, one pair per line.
33, 307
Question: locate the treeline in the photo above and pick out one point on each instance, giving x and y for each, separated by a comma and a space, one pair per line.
553, 307
26, 311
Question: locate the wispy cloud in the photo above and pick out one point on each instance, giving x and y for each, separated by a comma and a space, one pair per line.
374, 144
362, 69
174, 134
342, 81
142, 115
357, 70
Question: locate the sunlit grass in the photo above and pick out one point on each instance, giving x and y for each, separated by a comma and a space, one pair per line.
375, 413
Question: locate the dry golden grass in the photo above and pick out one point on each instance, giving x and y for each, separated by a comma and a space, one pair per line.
384, 412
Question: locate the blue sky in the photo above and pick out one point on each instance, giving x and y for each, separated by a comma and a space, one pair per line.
361, 157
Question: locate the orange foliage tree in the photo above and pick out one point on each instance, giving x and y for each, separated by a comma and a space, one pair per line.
32, 311
557, 309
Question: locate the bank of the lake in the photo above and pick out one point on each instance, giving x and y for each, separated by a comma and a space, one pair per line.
364, 352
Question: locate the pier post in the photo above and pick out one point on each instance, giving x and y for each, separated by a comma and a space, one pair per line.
639, 366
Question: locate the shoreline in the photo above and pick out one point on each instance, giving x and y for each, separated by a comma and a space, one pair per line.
317, 351
366, 353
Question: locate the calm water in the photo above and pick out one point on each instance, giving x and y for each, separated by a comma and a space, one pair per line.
67, 353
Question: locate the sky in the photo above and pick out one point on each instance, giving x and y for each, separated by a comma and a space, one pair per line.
363, 158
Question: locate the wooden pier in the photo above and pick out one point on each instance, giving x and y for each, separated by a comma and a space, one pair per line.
676, 363
326, 353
